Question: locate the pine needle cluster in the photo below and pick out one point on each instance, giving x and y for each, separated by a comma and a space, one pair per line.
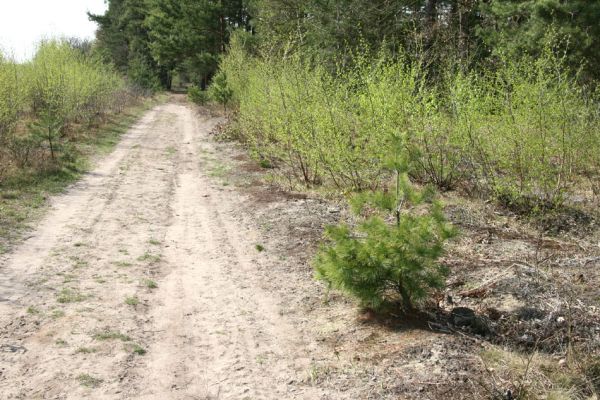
384, 264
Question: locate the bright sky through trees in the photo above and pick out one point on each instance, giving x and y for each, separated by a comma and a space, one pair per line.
24, 22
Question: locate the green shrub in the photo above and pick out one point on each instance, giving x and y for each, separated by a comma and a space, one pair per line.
141, 74
383, 264
43, 100
524, 131
219, 90
197, 95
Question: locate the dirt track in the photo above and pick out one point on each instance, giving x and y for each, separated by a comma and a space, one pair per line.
78, 305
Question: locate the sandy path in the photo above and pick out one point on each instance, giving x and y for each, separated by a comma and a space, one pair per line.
145, 255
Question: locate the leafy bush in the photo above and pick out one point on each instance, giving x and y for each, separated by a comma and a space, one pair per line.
141, 74
219, 90
524, 131
384, 264
197, 95
42, 100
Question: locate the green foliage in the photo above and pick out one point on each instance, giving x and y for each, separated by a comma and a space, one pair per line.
41, 102
12, 96
383, 264
47, 130
68, 85
197, 95
520, 26
219, 90
151, 40
524, 131
141, 73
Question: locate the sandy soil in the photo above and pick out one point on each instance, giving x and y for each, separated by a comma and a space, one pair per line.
81, 318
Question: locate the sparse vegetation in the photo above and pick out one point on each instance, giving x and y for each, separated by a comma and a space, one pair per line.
33, 310
67, 295
85, 350
137, 349
89, 381
150, 284
132, 301
149, 258
112, 335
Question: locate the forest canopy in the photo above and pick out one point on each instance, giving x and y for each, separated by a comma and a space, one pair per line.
154, 40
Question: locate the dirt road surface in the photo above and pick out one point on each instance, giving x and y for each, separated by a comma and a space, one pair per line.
140, 284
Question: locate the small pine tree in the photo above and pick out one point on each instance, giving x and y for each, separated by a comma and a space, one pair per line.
48, 130
219, 90
388, 264
197, 95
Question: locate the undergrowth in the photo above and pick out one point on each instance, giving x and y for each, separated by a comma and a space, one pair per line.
524, 133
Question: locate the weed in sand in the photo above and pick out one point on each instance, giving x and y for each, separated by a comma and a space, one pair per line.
85, 350
122, 264
154, 242
219, 170
149, 257
552, 380
260, 248
67, 295
123, 251
261, 359
32, 310
150, 284
56, 314
171, 150
132, 301
111, 335
317, 373
60, 342
89, 381
136, 349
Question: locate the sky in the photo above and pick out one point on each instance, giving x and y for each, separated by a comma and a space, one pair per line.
24, 22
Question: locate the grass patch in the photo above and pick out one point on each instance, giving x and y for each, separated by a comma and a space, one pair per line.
56, 314
150, 284
136, 349
33, 311
219, 171
111, 335
67, 295
538, 375
132, 301
171, 150
89, 381
85, 350
149, 257
122, 264
154, 242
